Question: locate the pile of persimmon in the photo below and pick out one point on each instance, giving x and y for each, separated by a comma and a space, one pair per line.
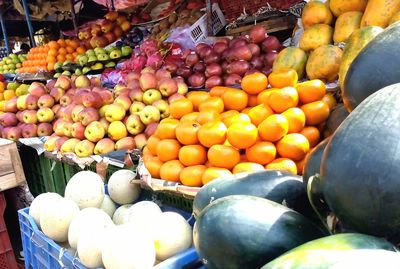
271, 123
44, 57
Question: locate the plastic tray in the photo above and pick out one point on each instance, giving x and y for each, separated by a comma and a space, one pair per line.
7, 258
42, 252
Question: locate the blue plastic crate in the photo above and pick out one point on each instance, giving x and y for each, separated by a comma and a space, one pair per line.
43, 253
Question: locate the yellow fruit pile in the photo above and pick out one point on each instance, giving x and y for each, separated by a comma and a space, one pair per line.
228, 130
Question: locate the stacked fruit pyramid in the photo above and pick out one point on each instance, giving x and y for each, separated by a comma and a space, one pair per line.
230, 130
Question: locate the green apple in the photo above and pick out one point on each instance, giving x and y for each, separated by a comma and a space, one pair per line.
92, 58
110, 64
12, 86
84, 148
66, 73
103, 57
98, 51
83, 60
126, 51
86, 70
90, 53
97, 66
110, 49
13, 56
150, 114
11, 66
57, 65
9, 61
115, 54
78, 72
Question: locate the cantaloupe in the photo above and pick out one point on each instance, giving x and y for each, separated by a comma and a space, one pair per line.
87, 219
86, 189
40, 203
172, 234
143, 214
55, 220
119, 214
108, 206
125, 247
90, 245
120, 188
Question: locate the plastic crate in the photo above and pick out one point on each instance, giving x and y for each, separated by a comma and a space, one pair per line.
233, 9
42, 252
198, 31
7, 258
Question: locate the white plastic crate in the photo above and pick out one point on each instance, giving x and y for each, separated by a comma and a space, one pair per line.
198, 31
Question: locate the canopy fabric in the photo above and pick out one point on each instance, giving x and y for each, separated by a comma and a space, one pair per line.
121, 4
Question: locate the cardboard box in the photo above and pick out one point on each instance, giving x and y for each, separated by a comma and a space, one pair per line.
11, 170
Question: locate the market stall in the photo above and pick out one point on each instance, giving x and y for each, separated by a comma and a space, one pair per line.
208, 134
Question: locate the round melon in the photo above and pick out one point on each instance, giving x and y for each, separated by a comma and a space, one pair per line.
55, 220
87, 219
108, 206
119, 214
143, 214
172, 237
40, 203
120, 188
86, 189
126, 247
89, 247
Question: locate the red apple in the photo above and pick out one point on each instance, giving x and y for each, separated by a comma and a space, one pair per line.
63, 82
140, 141
167, 87
29, 130
136, 95
126, 143
78, 130
45, 101
150, 129
66, 99
31, 101
92, 99
8, 119
88, 115
11, 105
12, 133
57, 93
148, 81
44, 129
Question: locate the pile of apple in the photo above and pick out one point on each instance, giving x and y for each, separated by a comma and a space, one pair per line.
227, 61
103, 32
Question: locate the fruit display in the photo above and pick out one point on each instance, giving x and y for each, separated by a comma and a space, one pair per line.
229, 130
100, 33
11, 63
86, 217
44, 58
93, 60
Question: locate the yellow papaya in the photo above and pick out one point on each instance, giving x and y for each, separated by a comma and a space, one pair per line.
345, 25
291, 57
339, 7
355, 43
395, 18
379, 12
316, 36
324, 63
315, 13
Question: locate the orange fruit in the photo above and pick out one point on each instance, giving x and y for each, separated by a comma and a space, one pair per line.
252, 101
50, 66
246, 167
293, 146
312, 134
74, 44
207, 116
218, 90
330, 100
282, 164
1, 96
212, 133
166, 128
54, 45
242, 135
51, 59
8, 94
254, 83
62, 51
197, 97
228, 113
246, 110
212, 103
240, 117
192, 155
283, 99
273, 128
296, 119
259, 113
70, 49
171, 170
53, 52
61, 42
152, 144
69, 57
180, 107
153, 165
60, 58
190, 117
283, 78
223, 156
235, 99
212, 173
262, 152
311, 91
168, 149
262, 97
300, 166
80, 50
186, 132
146, 153
192, 176
316, 112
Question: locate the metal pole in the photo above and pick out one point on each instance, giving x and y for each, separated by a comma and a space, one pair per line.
210, 31
3, 29
74, 17
29, 23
